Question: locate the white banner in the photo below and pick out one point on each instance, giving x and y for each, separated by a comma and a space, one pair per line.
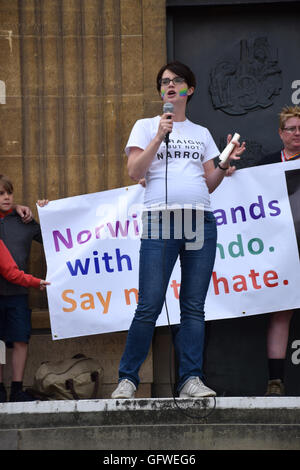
92, 245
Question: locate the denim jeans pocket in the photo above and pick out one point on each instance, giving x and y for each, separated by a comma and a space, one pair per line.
151, 221
209, 217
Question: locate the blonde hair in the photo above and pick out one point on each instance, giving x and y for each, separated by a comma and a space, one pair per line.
288, 112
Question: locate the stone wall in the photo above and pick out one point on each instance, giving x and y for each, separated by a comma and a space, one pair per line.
75, 75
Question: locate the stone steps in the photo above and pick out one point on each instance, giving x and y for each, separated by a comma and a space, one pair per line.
224, 423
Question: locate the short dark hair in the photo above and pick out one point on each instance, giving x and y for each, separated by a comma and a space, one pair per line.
179, 69
6, 184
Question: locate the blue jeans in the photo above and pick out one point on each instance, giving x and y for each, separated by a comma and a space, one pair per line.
157, 259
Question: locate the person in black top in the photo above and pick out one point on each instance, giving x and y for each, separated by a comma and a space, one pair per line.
279, 322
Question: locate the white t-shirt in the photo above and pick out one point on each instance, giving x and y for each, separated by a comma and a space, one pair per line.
190, 146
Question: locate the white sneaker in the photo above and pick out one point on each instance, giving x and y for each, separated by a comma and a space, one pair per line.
125, 389
195, 388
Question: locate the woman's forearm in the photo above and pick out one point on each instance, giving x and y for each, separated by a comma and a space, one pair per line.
139, 160
214, 176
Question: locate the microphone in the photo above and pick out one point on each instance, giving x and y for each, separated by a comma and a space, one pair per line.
168, 108
228, 149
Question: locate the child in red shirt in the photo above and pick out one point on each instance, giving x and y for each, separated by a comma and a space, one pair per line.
10, 271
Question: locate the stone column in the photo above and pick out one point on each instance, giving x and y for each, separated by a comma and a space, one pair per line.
78, 74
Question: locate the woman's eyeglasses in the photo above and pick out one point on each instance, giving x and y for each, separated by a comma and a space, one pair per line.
292, 129
175, 80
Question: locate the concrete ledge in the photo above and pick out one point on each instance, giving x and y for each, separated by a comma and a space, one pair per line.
236, 423
150, 404
155, 437
150, 410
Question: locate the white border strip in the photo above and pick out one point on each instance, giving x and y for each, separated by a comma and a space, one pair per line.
147, 404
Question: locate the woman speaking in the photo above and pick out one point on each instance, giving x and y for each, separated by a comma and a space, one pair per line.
179, 174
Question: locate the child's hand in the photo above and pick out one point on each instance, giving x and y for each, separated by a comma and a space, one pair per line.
43, 284
42, 202
24, 212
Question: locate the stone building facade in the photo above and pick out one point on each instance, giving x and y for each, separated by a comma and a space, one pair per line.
75, 75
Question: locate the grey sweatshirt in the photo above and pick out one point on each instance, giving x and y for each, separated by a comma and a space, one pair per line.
17, 237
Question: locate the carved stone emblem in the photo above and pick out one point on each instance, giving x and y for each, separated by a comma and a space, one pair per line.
248, 82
